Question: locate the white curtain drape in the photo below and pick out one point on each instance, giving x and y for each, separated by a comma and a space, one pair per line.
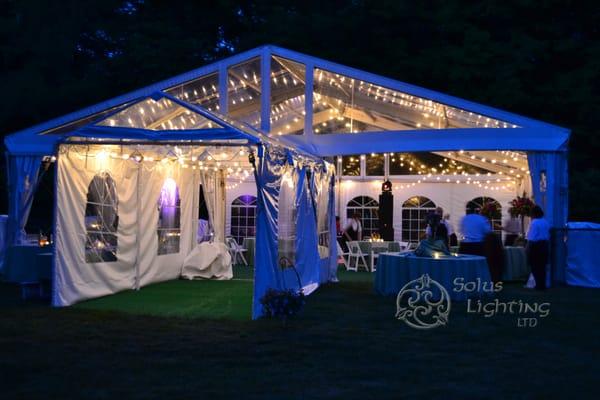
136, 260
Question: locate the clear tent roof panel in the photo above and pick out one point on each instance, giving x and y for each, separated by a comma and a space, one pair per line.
344, 100
343, 104
158, 115
202, 91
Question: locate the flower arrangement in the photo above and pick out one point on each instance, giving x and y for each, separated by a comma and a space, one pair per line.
282, 303
521, 206
489, 209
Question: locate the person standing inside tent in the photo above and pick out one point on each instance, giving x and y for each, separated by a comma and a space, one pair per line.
353, 228
538, 245
512, 228
474, 228
452, 240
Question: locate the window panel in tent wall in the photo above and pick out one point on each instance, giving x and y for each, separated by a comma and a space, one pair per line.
368, 208
287, 96
351, 165
347, 104
243, 218
169, 218
375, 165
414, 213
101, 219
244, 92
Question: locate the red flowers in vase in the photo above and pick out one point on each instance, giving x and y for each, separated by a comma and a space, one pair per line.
521, 206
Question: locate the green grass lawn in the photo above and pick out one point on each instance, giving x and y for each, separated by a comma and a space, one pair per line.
346, 344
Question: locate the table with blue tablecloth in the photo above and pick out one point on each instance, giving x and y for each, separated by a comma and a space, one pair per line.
515, 264
396, 270
27, 264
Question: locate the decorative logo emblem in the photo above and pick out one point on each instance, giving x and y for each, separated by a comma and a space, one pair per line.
423, 303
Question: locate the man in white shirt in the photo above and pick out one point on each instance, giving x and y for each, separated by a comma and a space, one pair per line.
474, 228
538, 246
511, 228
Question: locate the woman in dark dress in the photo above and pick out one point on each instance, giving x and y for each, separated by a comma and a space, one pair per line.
353, 230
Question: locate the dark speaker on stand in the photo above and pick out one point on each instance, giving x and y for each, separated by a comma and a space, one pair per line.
386, 212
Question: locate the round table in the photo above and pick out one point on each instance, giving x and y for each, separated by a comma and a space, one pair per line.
396, 270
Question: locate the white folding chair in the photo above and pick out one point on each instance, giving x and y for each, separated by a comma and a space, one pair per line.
374, 256
404, 246
235, 250
343, 254
356, 253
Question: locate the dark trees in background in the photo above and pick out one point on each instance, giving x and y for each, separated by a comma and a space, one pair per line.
539, 59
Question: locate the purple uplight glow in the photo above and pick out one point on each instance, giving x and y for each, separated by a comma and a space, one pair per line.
168, 202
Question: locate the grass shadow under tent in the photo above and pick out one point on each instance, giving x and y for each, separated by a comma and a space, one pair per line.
200, 298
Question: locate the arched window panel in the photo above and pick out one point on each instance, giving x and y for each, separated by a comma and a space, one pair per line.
243, 217
101, 220
368, 208
243, 92
414, 213
286, 219
351, 165
345, 104
287, 96
169, 218
203, 91
475, 205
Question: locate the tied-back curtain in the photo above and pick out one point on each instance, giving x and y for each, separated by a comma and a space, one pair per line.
286, 218
24, 175
332, 230
549, 181
307, 254
268, 176
208, 181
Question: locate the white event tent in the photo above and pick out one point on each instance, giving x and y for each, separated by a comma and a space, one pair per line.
148, 151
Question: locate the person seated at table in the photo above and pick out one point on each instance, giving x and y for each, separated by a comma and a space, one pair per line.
353, 228
538, 245
512, 228
474, 227
436, 227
